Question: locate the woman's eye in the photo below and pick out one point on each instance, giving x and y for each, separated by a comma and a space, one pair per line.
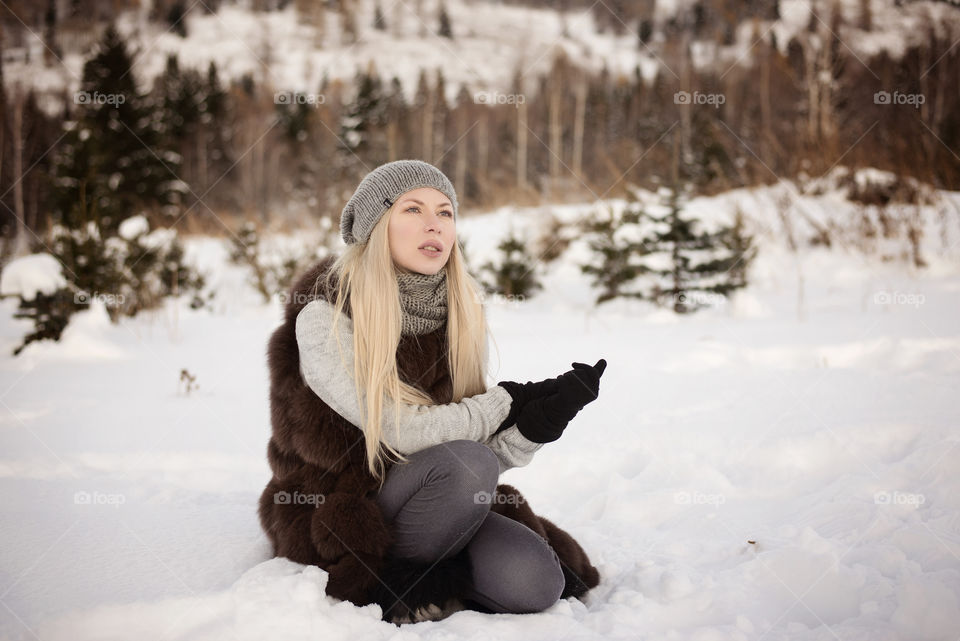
416, 209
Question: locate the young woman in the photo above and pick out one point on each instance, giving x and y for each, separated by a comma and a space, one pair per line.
387, 444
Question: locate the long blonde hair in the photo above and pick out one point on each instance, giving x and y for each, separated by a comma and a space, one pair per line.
366, 275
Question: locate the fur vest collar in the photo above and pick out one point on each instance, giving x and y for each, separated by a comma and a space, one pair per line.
314, 452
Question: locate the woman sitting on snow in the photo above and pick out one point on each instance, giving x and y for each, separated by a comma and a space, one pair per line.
382, 353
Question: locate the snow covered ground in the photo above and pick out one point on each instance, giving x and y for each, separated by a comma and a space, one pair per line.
775, 468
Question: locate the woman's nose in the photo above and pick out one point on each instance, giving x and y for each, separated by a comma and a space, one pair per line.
433, 222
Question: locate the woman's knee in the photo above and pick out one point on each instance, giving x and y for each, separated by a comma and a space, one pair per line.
529, 586
514, 569
538, 582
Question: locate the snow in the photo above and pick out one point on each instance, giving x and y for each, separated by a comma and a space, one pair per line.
779, 467
29, 275
132, 227
492, 42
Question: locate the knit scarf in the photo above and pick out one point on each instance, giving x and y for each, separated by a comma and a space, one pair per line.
423, 301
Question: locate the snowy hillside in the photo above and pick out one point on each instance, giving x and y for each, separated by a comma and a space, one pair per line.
776, 468
491, 43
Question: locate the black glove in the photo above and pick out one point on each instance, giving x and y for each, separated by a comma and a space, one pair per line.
543, 420
523, 394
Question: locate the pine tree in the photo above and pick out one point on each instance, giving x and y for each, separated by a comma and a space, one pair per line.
269, 276
445, 30
175, 17
294, 117
130, 271
699, 265
52, 49
180, 95
644, 31
112, 163
379, 22
513, 275
613, 238
214, 117
50, 314
666, 259
360, 127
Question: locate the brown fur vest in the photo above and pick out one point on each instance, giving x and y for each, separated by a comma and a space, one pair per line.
313, 451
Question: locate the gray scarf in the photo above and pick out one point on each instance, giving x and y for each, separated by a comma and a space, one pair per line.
423, 300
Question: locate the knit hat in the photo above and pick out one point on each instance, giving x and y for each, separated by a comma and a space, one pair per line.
380, 189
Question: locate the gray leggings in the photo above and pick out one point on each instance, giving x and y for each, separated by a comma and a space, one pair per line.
435, 509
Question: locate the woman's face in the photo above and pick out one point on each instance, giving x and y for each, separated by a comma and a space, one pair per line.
422, 217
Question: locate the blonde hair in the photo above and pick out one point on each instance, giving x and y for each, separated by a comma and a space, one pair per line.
366, 275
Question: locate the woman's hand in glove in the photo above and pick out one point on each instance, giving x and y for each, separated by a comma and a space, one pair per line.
523, 394
580, 386
543, 420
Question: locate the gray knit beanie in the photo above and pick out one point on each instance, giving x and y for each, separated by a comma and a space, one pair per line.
380, 189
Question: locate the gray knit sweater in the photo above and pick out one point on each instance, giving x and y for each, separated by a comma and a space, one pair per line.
475, 418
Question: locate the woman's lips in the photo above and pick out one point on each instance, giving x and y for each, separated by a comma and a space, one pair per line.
429, 252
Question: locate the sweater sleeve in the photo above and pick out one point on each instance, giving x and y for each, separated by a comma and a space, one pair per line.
512, 448
475, 418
